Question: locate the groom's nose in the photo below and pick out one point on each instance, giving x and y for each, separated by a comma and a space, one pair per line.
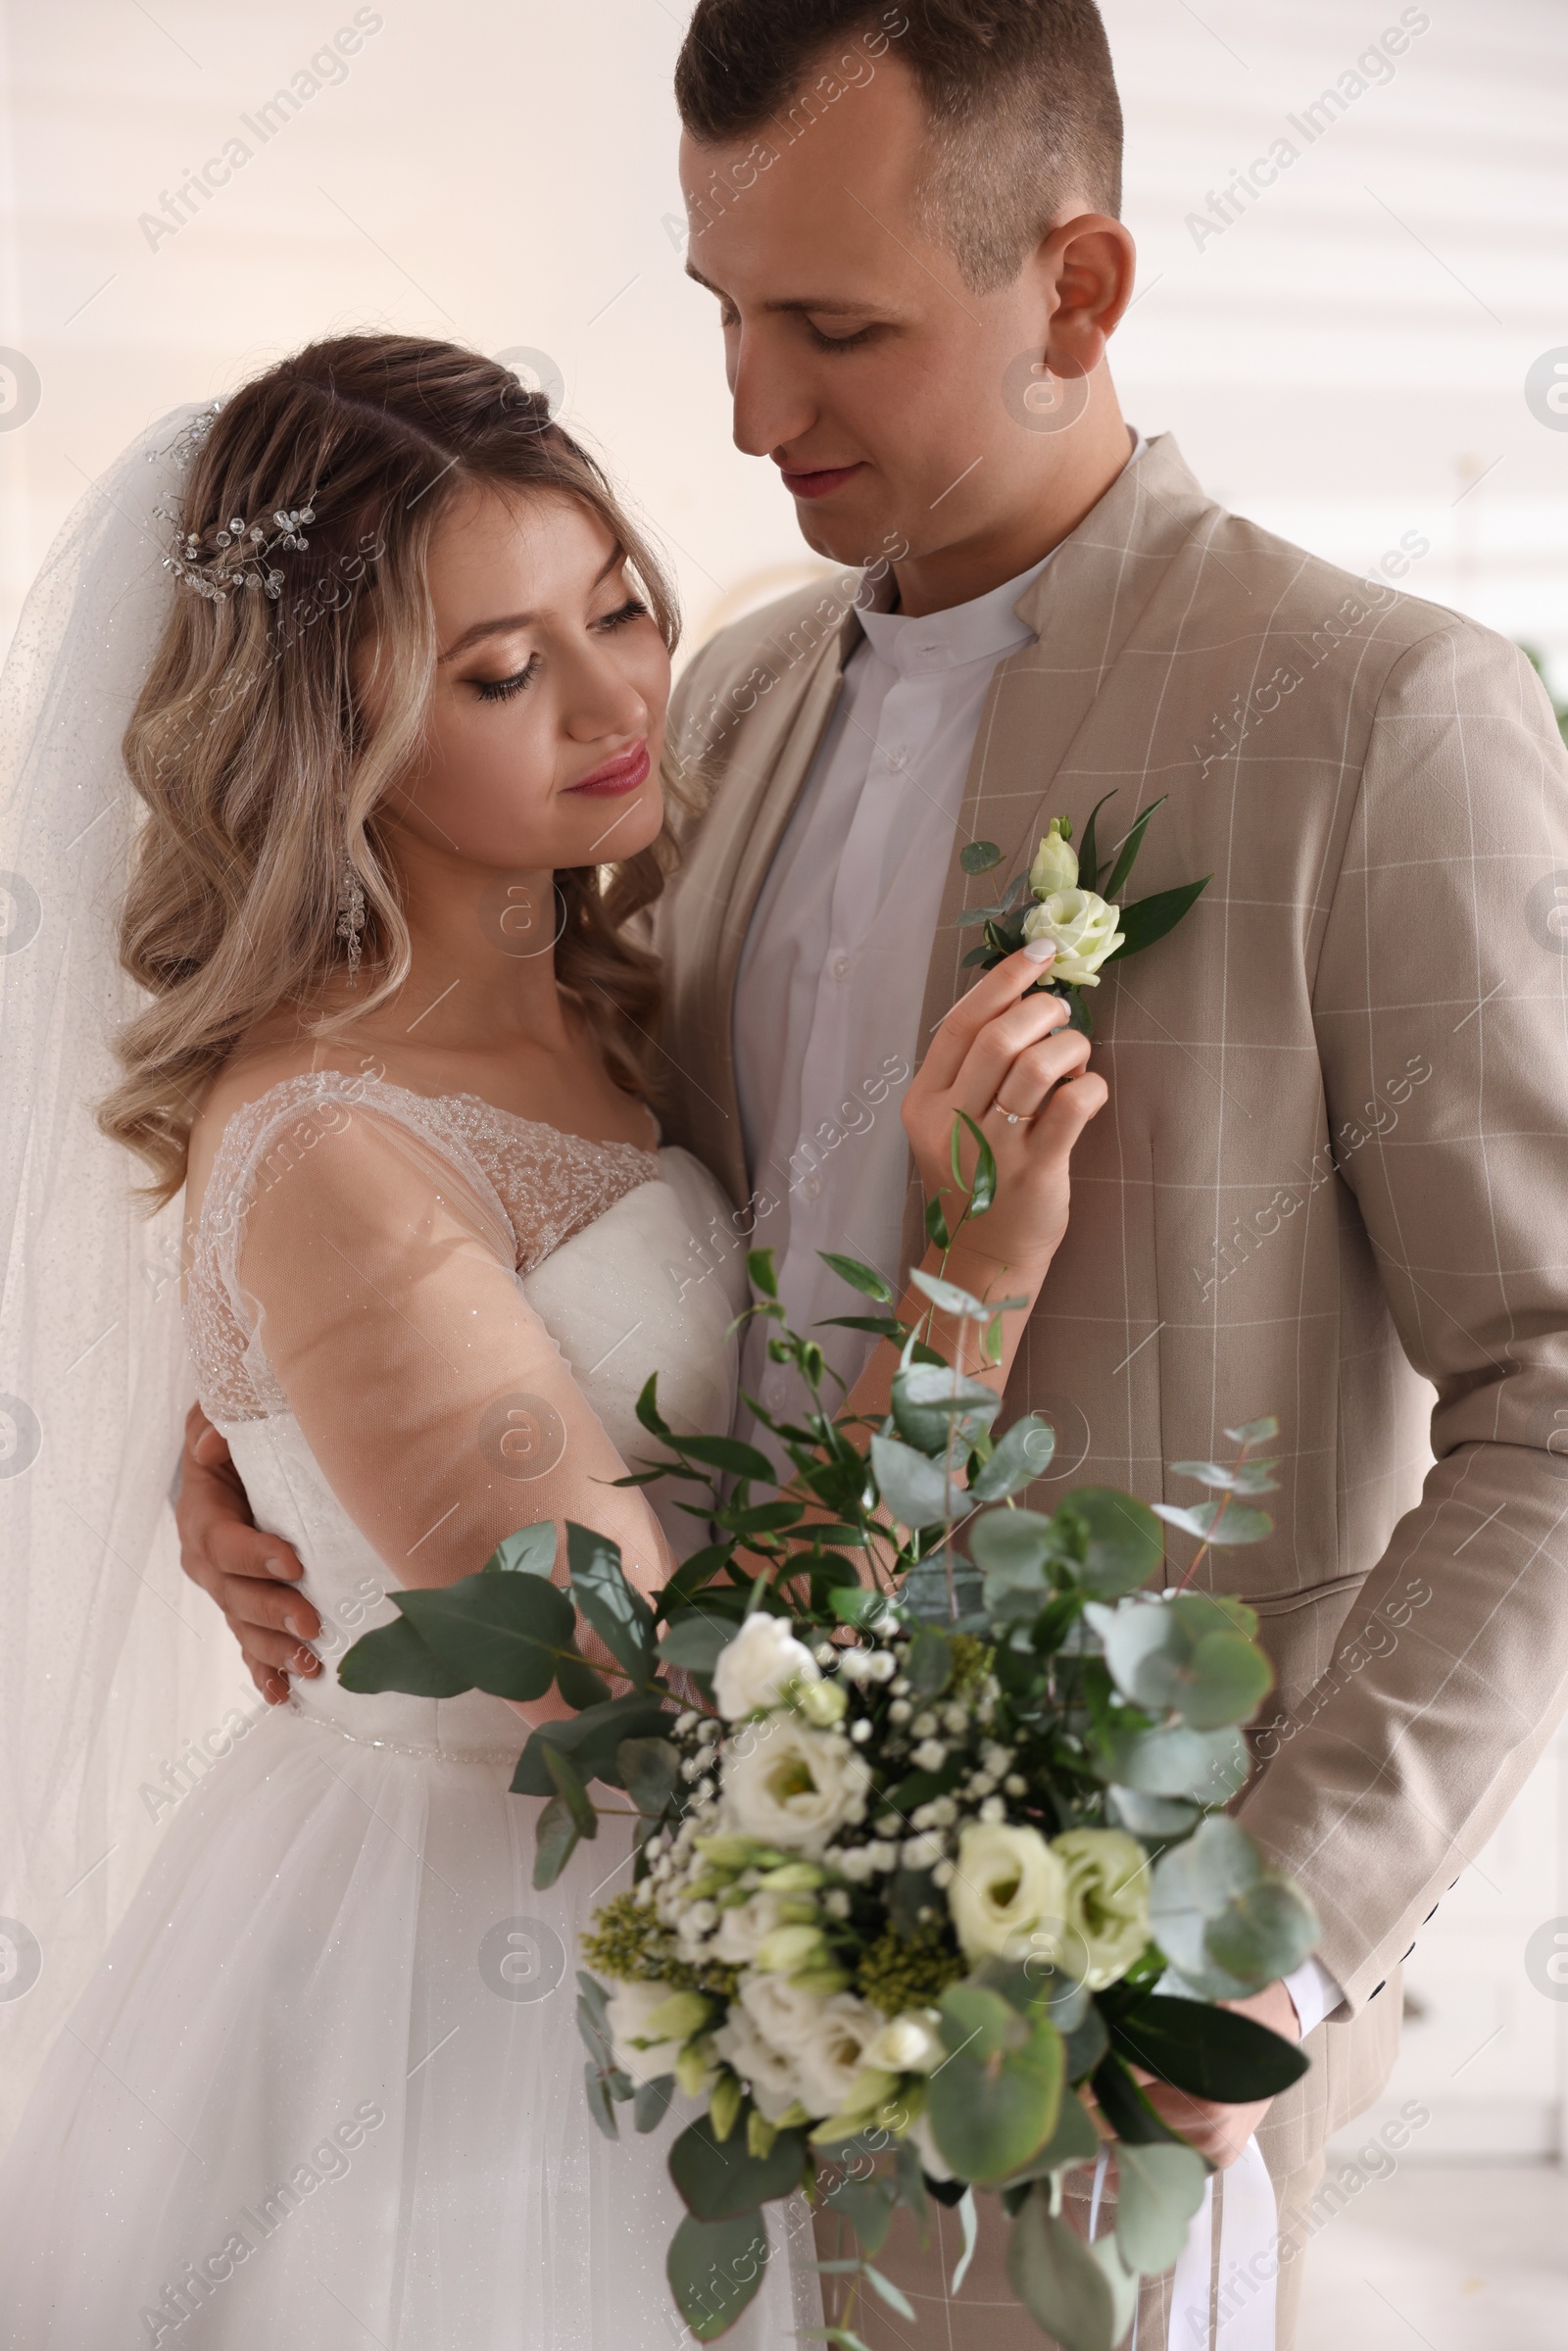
774, 405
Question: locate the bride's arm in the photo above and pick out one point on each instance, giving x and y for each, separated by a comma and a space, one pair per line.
433, 1398
996, 1046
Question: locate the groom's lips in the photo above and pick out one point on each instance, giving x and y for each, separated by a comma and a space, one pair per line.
617, 776
820, 482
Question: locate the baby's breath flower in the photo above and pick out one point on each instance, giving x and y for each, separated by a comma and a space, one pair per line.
930, 1755
993, 1809
836, 1902
944, 1812
899, 1710
860, 1732
955, 1718
883, 1666
901, 1687
925, 1724
943, 1875
1017, 1784
981, 1783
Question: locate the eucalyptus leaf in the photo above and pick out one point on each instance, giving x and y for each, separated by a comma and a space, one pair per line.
867, 2204
1227, 1922
1255, 1431
1074, 2140
599, 2105
555, 1840
918, 1492
934, 1405
499, 1629
1114, 1540
619, 1614
395, 1657
650, 1769
950, 1299
715, 2268
1161, 1817
572, 1791
978, 856
1207, 1765
1158, 2189
1022, 1453
1059, 2281
997, 2098
720, 2179
1011, 1544
1220, 1523
653, 2102
1247, 1477
695, 1643
530, 1551
929, 1662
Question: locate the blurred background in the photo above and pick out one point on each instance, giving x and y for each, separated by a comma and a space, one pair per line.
1368, 355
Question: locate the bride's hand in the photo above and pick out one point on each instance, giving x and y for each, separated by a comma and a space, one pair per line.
998, 1052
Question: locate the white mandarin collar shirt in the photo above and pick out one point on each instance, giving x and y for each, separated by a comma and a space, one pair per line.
828, 997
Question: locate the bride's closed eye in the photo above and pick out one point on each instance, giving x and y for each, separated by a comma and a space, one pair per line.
502, 689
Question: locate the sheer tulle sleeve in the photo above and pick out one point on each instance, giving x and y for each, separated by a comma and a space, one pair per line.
375, 1276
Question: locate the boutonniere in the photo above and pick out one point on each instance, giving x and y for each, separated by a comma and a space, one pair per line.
1060, 899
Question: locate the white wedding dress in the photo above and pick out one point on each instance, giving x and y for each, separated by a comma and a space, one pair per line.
327, 2088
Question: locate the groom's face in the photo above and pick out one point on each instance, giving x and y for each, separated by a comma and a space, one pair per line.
860, 360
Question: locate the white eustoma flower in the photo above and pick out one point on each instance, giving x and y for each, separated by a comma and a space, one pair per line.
906, 2044
794, 1787
780, 2009
1084, 930
771, 2073
1055, 865
753, 1668
629, 2009
1009, 1895
743, 1929
833, 2050
1107, 1902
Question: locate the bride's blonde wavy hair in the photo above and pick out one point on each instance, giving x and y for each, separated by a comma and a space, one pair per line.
262, 769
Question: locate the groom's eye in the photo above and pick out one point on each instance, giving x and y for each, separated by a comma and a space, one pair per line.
502, 689
823, 341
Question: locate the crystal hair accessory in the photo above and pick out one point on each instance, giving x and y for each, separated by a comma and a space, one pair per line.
241, 552
242, 556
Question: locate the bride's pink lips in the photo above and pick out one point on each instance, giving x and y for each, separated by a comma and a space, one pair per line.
616, 777
820, 483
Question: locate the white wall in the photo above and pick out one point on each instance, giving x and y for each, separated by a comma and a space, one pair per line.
503, 170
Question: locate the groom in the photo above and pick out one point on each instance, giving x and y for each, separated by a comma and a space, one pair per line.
1332, 1169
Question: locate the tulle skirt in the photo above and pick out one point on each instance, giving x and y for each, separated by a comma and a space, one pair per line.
327, 2089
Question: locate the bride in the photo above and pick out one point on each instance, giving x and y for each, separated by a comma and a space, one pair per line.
399, 704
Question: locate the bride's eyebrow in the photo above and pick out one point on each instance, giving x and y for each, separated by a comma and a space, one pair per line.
503, 624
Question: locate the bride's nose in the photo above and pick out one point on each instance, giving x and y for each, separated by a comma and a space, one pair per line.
603, 701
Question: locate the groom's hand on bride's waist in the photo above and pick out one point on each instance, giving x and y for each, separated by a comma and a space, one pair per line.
1221, 2133
250, 1575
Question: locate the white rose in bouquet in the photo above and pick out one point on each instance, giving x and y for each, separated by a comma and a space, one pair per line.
640, 2055
833, 2052
1084, 930
1008, 1894
1107, 1902
754, 1669
794, 1786
772, 2074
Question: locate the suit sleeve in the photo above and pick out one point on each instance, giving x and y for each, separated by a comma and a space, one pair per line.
1445, 960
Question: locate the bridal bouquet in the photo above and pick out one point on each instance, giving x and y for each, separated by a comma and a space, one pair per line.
1087, 929
932, 1871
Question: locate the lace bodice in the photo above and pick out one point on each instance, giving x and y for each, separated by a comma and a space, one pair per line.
539, 1184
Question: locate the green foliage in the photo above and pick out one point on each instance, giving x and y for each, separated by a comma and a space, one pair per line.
394, 1657
715, 2268
1209, 2052
1158, 2189
502, 1632
1226, 1921
1080, 2294
719, 2180
996, 2100
531, 1551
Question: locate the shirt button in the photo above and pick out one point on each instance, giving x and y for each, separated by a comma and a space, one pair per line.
812, 1188
898, 756
841, 966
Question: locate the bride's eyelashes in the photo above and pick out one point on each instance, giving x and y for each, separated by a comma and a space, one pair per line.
502, 689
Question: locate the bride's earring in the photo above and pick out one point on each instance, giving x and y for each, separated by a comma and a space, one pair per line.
350, 915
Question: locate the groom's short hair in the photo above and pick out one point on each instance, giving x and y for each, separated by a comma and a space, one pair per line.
1020, 96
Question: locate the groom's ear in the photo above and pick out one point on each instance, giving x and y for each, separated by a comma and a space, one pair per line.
1085, 268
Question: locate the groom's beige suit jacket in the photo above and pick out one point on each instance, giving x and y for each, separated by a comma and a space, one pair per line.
1334, 1167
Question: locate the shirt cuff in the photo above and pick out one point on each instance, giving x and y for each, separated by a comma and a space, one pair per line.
1315, 1994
